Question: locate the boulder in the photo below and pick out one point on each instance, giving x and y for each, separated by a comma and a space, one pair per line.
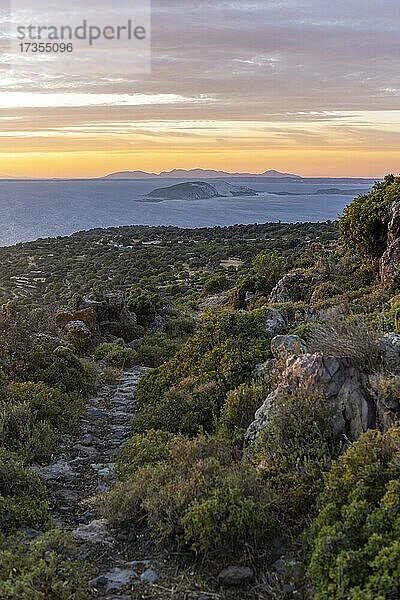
293, 287
283, 346
157, 325
95, 532
275, 322
216, 300
78, 333
389, 264
337, 379
87, 315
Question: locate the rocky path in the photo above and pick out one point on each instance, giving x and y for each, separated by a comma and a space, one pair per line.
84, 469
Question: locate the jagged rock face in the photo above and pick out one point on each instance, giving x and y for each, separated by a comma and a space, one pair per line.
394, 224
389, 264
337, 379
293, 287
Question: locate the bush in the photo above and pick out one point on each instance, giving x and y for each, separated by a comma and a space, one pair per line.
354, 540
294, 451
51, 405
199, 497
364, 223
216, 283
21, 432
155, 349
22, 495
224, 350
45, 569
145, 449
116, 355
186, 408
69, 373
239, 410
179, 326
238, 517
144, 304
268, 269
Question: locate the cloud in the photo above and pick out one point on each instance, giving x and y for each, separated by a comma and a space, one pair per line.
256, 73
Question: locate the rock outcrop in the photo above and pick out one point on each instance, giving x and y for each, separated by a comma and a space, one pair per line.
389, 264
293, 287
98, 318
337, 380
113, 317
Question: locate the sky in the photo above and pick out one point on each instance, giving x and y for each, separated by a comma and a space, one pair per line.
302, 86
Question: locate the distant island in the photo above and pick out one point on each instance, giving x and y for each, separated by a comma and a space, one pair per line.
322, 192
195, 174
199, 190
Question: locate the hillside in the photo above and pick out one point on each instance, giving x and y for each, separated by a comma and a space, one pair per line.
206, 413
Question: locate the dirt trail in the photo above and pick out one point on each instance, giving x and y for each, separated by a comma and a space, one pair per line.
85, 468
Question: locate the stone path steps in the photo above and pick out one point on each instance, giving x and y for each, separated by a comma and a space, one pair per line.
84, 469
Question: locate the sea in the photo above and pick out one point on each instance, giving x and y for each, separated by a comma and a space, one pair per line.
32, 209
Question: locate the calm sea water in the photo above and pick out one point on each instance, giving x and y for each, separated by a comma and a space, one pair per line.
37, 209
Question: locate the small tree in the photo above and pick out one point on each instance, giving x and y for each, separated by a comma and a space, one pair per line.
268, 269
364, 223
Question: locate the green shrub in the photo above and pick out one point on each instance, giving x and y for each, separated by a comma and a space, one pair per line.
199, 497
304, 330
22, 495
237, 517
224, 349
51, 405
364, 223
324, 291
186, 408
144, 304
44, 569
115, 354
354, 540
155, 349
69, 373
216, 283
21, 432
145, 449
268, 269
239, 409
294, 451
179, 326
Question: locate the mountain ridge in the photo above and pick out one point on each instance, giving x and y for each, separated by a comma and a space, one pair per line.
194, 173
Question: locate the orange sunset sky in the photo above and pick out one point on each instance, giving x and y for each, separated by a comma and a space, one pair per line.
304, 86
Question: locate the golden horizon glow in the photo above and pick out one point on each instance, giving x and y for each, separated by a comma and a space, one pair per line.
97, 164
